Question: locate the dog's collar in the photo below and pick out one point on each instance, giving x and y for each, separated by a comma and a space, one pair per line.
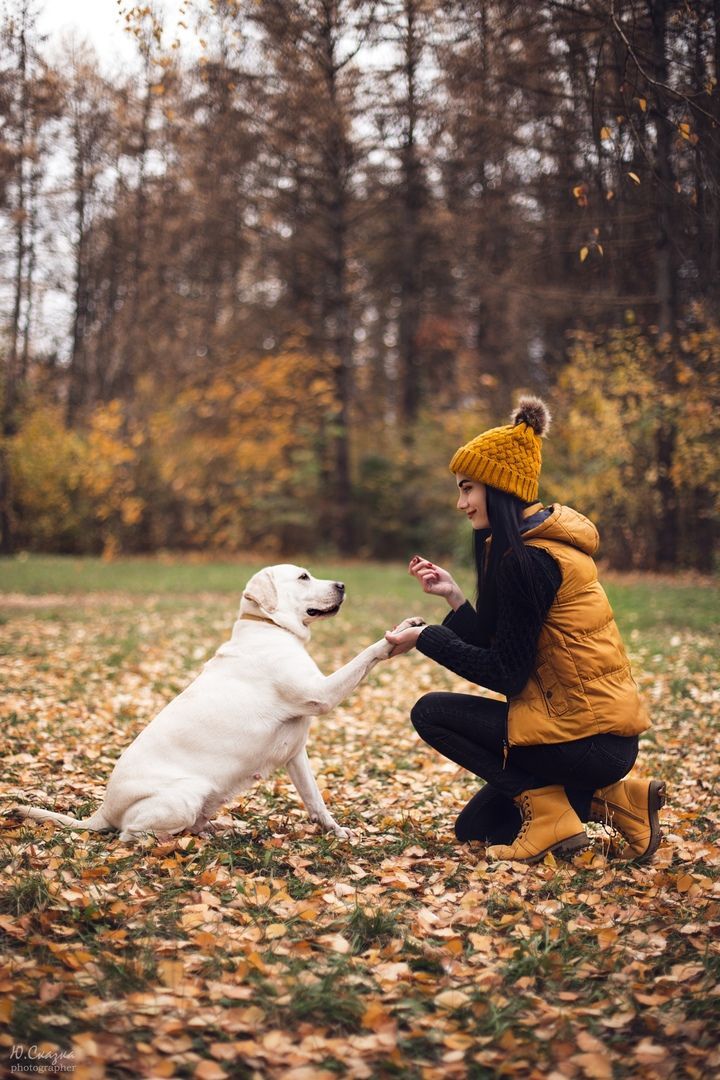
257, 618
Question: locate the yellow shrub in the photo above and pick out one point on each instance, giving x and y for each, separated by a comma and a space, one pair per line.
46, 462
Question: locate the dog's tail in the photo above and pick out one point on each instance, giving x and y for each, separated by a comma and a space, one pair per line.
97, 822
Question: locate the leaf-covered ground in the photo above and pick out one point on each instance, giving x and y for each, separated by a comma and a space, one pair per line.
273, 951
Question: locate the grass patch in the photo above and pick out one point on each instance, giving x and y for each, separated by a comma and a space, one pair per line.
329, 1001
365, 928
31, 893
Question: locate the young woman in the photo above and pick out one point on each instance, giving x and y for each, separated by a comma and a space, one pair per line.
557, 751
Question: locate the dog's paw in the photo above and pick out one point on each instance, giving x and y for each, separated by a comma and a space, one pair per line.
414, 620
342, 833
206, 829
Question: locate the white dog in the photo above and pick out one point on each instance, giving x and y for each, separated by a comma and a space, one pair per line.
245, 715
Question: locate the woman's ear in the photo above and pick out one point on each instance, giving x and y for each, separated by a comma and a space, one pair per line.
261, 591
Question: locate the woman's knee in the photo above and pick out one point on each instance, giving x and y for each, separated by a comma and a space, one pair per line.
426, 711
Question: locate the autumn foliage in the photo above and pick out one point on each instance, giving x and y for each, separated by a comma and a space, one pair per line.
635, 443
254, 293
243, 460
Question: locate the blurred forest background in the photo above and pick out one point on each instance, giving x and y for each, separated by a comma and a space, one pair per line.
253, 300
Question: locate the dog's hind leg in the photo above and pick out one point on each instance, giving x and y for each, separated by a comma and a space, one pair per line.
173, 809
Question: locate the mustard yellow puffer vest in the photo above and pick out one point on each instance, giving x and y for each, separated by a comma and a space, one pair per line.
582, 684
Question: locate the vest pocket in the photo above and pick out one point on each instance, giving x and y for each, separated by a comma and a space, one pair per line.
552, 690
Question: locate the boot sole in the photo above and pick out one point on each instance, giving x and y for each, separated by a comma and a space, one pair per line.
657, 797
567, 848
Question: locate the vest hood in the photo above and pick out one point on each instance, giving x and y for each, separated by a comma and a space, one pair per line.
567, 526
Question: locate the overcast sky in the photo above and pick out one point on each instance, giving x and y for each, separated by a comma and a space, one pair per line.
98, 21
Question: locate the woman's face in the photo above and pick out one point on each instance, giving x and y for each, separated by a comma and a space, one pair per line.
472, 500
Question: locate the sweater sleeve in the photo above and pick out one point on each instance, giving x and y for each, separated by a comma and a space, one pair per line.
464, 622
507, 664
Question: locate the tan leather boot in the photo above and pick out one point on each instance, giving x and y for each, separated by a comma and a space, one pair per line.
549, 824
631, 807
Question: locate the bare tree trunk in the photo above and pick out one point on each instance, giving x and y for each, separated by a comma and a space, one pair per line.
337, 300
30, 264
133, 327
411, 254
11, 387
77, 375
714, 170
666, 283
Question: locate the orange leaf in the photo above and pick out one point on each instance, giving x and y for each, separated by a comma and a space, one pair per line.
595, 1065
209, 1070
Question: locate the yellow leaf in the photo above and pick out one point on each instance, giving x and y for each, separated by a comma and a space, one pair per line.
642, 102
205, 939
308, 912
605, 134
164, 1068
376, 1016
596, 1066
170, 972
276, 930
452, 999
634, 177
649, 1053
583, 257
209, 1070
458, 1041
336, 942
607, 937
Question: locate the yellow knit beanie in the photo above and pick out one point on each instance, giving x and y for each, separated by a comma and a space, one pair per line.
508, 457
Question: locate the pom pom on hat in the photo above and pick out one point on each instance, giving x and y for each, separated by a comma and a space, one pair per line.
509, 457
533, 411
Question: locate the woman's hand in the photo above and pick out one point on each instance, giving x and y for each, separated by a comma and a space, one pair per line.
436, 581
404, 636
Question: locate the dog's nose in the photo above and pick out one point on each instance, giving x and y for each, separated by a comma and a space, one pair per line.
339, 585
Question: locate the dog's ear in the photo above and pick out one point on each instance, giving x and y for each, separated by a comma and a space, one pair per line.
261, 590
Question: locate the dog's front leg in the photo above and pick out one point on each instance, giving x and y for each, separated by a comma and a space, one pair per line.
302, 777
332, 689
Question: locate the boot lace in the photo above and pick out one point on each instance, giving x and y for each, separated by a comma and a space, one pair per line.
526, 811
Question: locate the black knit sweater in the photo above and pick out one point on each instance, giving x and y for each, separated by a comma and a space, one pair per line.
505, 662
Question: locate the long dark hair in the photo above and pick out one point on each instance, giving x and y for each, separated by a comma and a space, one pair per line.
505, 515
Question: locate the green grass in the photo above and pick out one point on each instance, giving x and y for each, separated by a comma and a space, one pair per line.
163, 576
656, 603
38, 574
28, 894
639, 604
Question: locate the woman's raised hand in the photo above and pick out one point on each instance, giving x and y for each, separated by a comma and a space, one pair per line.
436, 581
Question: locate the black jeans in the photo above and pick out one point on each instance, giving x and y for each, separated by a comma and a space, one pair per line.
470, 731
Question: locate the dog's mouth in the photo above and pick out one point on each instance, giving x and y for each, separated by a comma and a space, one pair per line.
317, 613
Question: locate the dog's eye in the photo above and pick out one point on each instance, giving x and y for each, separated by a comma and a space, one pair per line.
304, 577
